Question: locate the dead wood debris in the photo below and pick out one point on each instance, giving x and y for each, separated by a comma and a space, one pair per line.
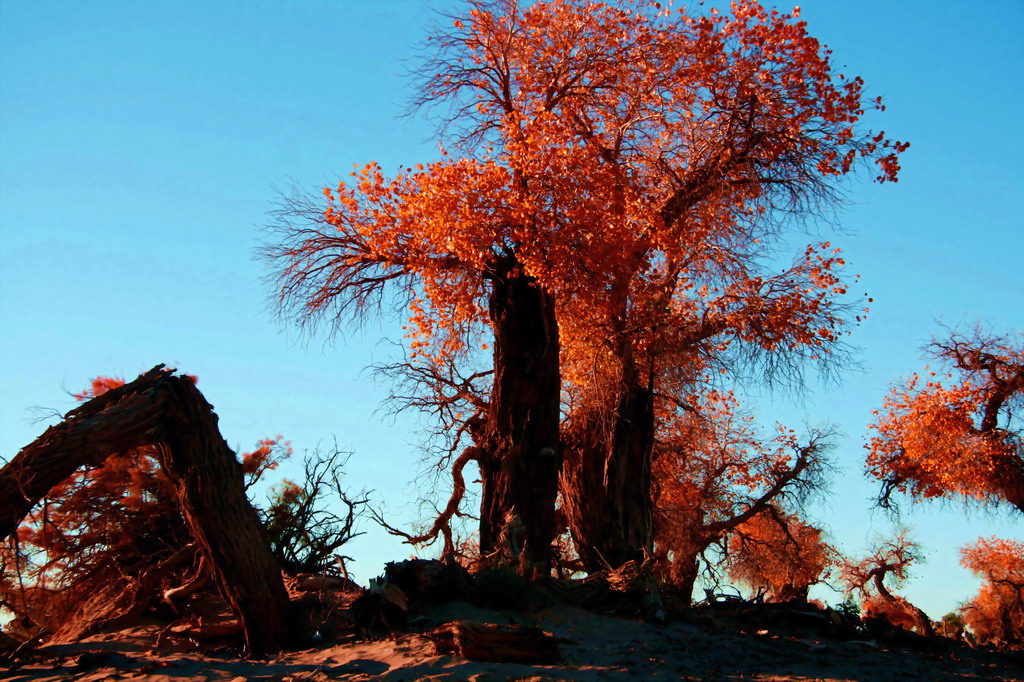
492, 643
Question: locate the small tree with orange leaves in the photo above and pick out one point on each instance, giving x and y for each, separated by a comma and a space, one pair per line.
956, 431
996, 614
779, 556
716, 471
890, 560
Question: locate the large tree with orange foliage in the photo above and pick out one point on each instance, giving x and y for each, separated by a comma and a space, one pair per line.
621, 172
996, 614
956, 430
708, 133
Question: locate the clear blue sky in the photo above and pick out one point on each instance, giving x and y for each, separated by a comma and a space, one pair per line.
141, 144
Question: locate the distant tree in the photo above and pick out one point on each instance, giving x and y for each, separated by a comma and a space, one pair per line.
996, 614
956, 431
953, 626
890, 560
778, 556
716, 471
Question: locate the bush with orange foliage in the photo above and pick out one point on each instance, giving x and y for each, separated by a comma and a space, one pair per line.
778, 555
996, 614
895, 611
955, 431
93, 535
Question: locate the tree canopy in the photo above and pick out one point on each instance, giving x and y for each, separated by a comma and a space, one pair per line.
954, 430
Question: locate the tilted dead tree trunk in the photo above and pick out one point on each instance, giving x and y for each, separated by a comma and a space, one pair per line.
163, 409
924, 623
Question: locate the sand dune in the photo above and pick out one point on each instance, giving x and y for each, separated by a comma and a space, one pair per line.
592, 647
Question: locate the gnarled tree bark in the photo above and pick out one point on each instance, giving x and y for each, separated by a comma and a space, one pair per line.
523, 458
606, 485
163, 409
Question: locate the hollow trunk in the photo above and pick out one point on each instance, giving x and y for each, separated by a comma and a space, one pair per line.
520, 470
606, 486
162, 409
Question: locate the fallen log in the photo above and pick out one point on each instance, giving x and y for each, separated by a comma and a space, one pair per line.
628, 591
495, 644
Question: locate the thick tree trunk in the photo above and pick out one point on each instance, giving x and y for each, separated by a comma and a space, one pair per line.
162, 409
606, 485
1013, 486
520, 471
583, 472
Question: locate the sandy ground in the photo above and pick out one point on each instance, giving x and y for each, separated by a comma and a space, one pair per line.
593, 647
